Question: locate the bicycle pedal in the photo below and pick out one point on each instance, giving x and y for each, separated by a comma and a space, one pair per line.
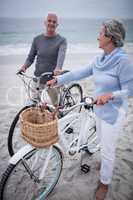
85, 148
85, 168
69, 130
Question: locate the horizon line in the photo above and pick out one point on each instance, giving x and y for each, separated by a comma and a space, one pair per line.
124, 18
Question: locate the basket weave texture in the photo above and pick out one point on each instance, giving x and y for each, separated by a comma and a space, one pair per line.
38, 127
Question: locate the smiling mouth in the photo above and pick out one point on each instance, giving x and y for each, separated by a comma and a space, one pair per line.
50, 26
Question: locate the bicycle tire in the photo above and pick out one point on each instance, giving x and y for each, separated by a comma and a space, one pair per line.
16, 182
10, 139
69, 98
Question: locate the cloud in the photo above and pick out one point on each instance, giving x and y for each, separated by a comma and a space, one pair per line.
72, 8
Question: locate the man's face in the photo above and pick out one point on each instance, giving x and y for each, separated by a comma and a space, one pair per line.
51, 23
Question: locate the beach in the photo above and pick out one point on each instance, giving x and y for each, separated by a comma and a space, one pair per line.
73, 183
81, 33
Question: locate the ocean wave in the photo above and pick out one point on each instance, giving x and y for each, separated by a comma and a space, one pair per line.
79, 48
14, 49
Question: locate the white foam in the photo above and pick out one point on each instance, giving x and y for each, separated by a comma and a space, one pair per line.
83, 48
23, 49
15, 49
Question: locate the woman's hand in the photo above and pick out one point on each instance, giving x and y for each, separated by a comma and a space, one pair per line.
101, 100
57, 72
52, 82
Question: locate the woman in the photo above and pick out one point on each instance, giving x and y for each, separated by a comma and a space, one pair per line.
113, 77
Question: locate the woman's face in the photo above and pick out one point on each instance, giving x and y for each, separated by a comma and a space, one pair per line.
103, 40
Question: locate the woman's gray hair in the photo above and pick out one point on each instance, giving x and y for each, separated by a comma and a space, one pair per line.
116, 31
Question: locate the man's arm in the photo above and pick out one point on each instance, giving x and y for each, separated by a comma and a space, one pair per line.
30, 58
61, 57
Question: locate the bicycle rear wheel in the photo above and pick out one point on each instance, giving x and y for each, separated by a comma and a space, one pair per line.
72, 96
89, 144
18, 183
15, 141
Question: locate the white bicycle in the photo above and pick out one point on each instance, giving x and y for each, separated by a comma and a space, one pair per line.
33, 173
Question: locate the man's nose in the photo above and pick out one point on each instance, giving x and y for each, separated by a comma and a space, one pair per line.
52, 23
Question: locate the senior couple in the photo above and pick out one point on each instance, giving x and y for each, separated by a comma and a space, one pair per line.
113, 79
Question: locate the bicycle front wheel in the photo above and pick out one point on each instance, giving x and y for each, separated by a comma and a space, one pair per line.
15, 141
21, 181
72, 96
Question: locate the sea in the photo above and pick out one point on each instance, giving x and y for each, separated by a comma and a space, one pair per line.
16, 35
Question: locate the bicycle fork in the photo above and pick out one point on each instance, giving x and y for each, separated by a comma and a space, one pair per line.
43, 170
30, 172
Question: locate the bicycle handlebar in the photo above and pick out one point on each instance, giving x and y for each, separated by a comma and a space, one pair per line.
88, 102
48, 74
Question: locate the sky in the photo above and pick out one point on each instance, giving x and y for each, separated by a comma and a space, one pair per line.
67, 8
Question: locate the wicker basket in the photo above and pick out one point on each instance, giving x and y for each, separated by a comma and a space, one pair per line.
38, 127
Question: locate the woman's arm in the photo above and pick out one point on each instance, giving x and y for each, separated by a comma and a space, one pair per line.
125, 74
75, 75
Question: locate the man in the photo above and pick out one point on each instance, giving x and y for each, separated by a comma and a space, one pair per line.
49, 49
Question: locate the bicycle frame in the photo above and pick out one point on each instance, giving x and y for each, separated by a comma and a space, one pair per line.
86, 120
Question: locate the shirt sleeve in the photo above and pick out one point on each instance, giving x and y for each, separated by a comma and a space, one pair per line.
75, 75
31, 55
61, 54
125, 74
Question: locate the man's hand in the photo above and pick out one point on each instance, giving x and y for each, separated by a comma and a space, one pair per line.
22, 69
52, 82
57, 71
101, 100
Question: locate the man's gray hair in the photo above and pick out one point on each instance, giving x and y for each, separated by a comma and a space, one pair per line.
116, 30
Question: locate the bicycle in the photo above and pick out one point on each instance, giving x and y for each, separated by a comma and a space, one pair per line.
69, 96
38, 170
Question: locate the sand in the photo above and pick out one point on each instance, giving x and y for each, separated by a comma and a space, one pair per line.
73, 183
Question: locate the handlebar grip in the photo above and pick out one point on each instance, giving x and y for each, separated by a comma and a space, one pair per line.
20, 73
64, 71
